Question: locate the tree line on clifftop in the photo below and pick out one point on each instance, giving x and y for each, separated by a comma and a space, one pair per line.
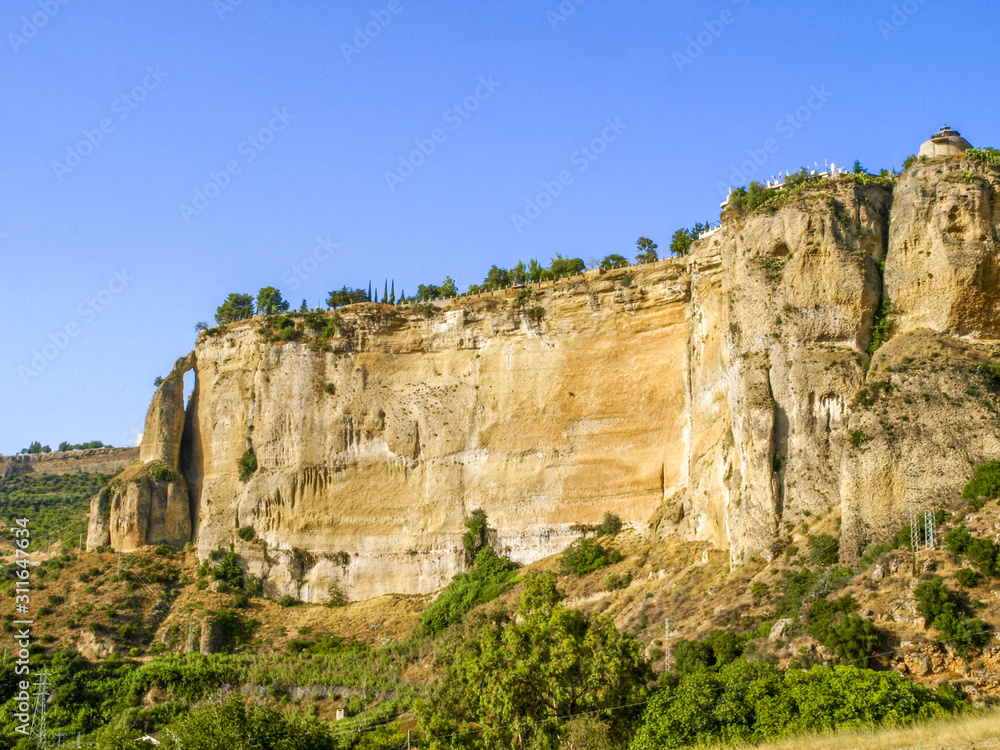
269, 301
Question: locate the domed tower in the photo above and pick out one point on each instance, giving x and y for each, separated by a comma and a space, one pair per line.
946, 142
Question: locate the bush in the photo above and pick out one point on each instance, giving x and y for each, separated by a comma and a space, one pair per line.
585, 556
835, 624
715, 650
490, 576
247, 534
610, 526
945, 611
164, 474
229, 571
985, 481
287, 601
247, 464
859, 438
967, 577
615, 582
824, 550
239, 724
758, 590
476, 532
751, 702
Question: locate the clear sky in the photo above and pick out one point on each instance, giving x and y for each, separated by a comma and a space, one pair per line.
157, 156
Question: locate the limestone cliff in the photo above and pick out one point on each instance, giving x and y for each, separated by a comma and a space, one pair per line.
713, 397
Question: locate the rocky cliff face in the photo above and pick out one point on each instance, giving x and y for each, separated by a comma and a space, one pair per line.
715, 397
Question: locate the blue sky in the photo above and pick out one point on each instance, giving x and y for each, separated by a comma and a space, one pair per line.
116, 115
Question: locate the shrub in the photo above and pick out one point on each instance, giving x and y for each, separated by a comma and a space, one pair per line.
945, 611
859, 438
715, 650
330, 390
164, 474
751, 702
610, 526
476, 531
824, 549
229, 571
247, 464
985, 481
758, 590
585, 556
490, 576
287, 601
967, 577
615, 582
835, 624
247, 534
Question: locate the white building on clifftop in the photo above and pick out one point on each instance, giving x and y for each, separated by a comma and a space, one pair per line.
946, 142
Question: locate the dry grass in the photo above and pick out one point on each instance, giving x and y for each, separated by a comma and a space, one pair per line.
978, 731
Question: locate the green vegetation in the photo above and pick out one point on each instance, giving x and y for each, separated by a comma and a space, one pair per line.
824, 549
647, 251
616, 582
881, 325
869, 395
587, 555
164, 474
682, 239
35, 447
247, 464
476, 533
511, 675
236, 307
945, 610
859, 438
985, 481
64, 446
56, 504
749, 702
247, 534
490, 576
217, 725
772, 267
988, 156
613, 261
270, 301
835, 624
717, 649
609, 526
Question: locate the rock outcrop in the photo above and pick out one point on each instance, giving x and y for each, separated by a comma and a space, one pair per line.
714, 397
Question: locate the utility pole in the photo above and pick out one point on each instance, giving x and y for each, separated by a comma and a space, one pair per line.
914, 532
38, 729
666, 644
928, 530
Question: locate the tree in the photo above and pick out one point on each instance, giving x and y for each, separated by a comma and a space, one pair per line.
200, 326
269, 301
535, 271
236, 307
235, 724
303, 308
561, 266
613, 261
392, 292
496, 278
345, 296
680, 243
647, 250
448, 288
425, 293
519, 273
475, 537
510, 676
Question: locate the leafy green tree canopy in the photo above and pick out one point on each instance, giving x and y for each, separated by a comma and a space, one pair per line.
269, 301
236, 307
647, 250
